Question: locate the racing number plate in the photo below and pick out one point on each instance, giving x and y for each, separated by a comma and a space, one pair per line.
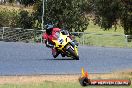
60, 40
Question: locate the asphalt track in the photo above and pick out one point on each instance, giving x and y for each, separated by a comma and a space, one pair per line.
36, 59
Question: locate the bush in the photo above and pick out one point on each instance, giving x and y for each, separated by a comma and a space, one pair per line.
8, 18
25, 20
15, 18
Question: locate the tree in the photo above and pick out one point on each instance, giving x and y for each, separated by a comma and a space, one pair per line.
108, 12
63, 13
11, 1
8, 18
27, 2
25, 20
126, 17
72, 14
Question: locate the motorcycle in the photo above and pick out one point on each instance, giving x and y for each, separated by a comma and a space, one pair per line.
65, 46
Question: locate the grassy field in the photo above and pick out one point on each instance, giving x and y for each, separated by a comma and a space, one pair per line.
99, 37
56, 85
50, 84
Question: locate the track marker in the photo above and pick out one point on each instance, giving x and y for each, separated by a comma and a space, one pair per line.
86, 81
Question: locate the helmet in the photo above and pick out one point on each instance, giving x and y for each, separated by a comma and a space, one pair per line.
49, 29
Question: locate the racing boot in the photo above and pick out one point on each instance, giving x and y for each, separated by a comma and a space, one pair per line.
55, 53
63, 55
74, 42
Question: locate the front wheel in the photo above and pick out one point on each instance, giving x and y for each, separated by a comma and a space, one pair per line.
71, 51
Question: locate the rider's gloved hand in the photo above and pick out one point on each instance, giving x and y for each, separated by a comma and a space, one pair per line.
49, 45
64, 32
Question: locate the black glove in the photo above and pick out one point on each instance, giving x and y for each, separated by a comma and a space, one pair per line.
64, 32
49, 45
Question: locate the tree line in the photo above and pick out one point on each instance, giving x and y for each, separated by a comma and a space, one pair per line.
73, 14
22, 19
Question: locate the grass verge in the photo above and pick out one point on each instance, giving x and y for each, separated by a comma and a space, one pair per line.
48, 84
99, 37
59, 81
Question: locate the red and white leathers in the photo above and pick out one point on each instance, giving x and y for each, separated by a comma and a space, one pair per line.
48, 40
50, 37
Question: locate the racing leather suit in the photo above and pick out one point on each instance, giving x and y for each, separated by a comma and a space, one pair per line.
48, 40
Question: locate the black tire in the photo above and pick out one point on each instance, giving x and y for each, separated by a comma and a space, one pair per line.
76, 57
84, 81
63, 55
57, 53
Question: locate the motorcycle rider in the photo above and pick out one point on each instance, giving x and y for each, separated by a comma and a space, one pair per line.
49, 35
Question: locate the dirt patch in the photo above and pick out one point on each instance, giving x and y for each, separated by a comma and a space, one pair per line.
37, 79
61, 78
17, 8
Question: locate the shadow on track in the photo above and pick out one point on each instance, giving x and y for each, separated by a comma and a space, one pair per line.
59, 59
63, 59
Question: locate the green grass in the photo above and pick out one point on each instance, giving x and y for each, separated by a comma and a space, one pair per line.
109, 38
97, 29
49, 84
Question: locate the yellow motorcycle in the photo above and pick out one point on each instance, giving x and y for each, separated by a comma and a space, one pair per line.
64, 45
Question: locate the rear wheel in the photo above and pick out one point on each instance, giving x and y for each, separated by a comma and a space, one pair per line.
55, 53
71, 51
63, 55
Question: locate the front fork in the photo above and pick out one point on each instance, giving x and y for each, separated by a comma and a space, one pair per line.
75, 47
72, 46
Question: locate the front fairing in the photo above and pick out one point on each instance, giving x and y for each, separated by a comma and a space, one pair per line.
61, 40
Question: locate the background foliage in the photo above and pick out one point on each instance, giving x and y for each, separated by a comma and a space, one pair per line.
72, 14
63, 13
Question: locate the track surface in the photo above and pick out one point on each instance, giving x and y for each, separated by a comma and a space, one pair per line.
35, 59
